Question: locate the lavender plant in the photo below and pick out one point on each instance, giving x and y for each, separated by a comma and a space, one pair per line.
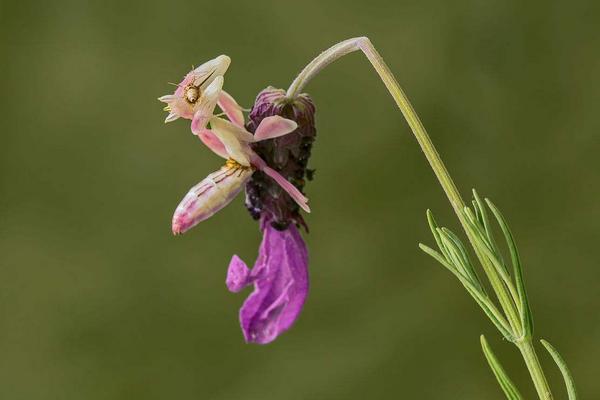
268, 155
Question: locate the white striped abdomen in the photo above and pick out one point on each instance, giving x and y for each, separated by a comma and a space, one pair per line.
210, 195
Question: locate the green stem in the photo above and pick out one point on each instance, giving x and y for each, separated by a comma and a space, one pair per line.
433, 157
364, 44
535, 369
439, 169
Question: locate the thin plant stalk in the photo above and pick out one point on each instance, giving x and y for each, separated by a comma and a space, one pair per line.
524, 341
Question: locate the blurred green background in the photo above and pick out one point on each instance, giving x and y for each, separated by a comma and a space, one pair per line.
99, 301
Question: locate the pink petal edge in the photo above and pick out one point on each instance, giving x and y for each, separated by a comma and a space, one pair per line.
274, 126
231, 108
212, 142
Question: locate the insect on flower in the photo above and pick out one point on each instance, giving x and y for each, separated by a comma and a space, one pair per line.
280, 275
219, 188
198, 93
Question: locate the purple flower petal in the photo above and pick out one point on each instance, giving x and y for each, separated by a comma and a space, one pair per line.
237, 275
280, 278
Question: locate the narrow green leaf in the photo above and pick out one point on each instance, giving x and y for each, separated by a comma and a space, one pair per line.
524, 308
439, 258
480, 298
564, 370
434, 230
477, 211
472, 218
455, 257
508, 387
465, 257
432, 224
492, 313
480, 241
487, 227
447, 251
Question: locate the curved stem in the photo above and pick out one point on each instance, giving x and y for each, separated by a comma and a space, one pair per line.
321, 61
364, 44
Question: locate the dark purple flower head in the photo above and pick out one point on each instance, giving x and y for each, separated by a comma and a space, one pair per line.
280, 274
287, 154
